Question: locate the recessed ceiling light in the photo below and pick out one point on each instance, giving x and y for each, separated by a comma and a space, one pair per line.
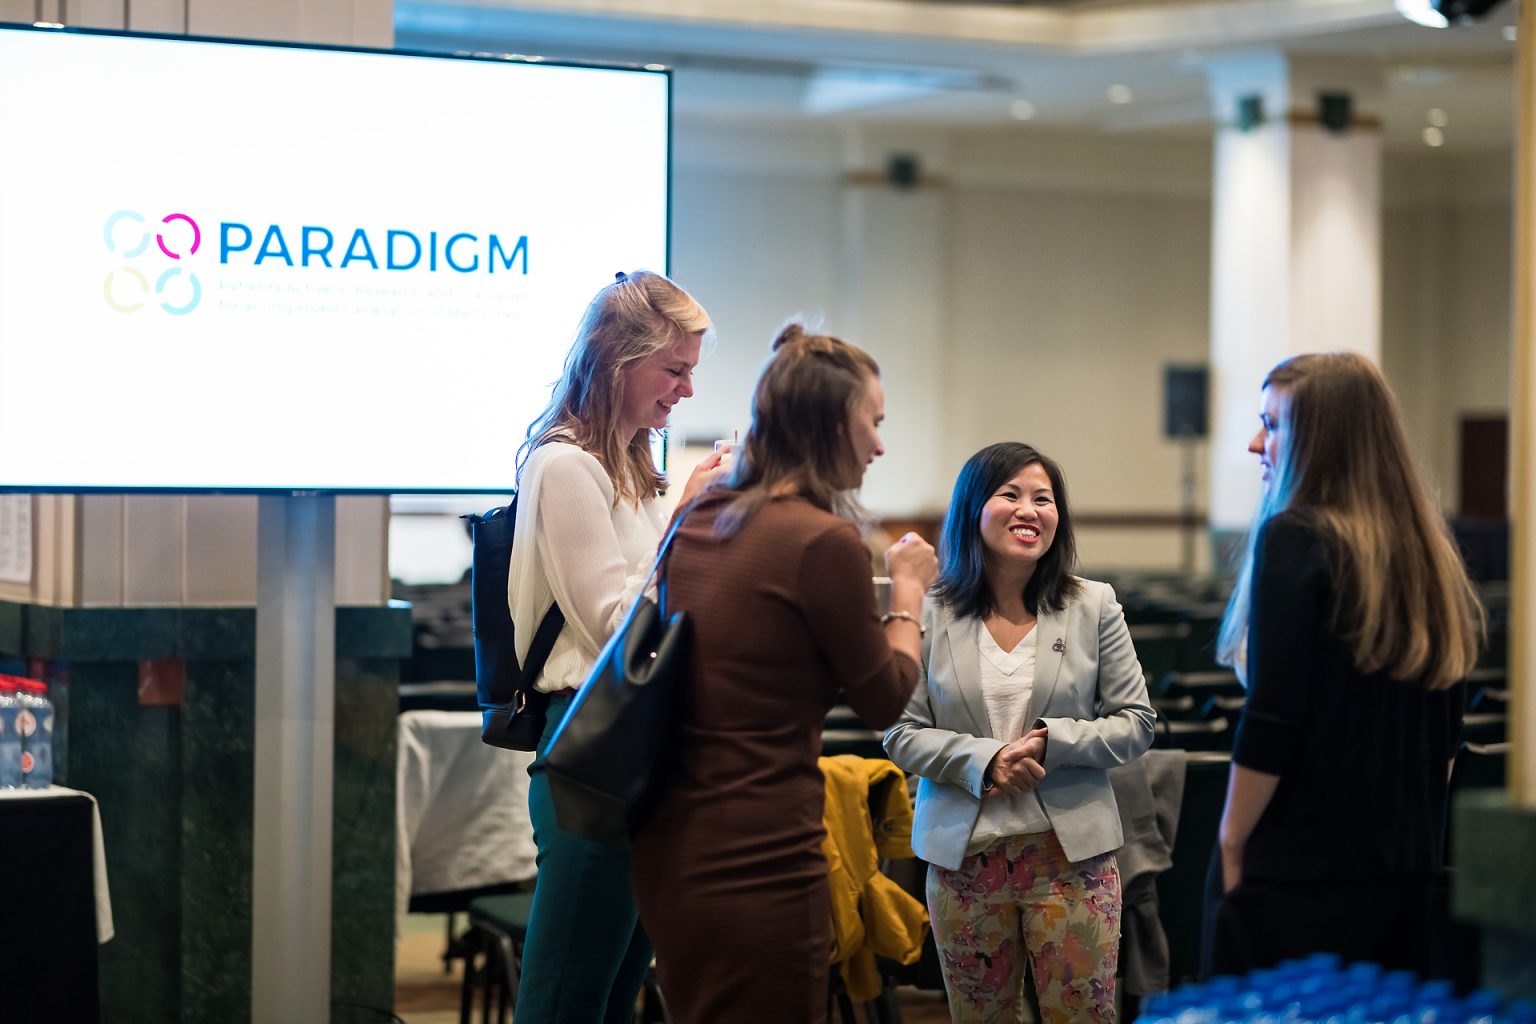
1438, 117
1022, 110
1119, 94
655, 67
1434, 137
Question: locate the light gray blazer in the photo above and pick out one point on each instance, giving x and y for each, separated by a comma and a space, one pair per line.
1089, 692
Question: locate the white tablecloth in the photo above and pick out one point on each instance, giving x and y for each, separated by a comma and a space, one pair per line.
104, 930
462, 807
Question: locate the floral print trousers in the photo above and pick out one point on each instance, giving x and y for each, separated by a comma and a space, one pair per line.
1019, 899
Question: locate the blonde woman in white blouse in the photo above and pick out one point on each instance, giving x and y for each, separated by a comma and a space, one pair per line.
1031, 691
587, 530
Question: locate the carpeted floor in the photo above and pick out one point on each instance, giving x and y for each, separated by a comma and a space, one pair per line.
424, 994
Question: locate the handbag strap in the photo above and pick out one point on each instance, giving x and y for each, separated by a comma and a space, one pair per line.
661, 556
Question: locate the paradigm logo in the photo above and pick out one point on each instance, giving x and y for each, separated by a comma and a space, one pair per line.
155, 257
177, 289
317, 246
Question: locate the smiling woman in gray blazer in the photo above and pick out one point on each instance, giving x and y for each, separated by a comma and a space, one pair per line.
1031, 692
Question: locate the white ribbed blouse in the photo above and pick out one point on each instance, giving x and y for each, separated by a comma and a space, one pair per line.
576, 547
1008, 690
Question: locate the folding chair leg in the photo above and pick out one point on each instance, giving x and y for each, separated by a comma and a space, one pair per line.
508, 978
467, 986
451, 949
492, 976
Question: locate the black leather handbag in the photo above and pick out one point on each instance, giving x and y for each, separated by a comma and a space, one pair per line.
602, 763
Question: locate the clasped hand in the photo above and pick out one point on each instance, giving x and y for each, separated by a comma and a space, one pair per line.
1018, 767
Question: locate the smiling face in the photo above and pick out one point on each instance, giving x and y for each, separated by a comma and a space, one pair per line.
1018, 522
864, 424
1269, 443
658, 382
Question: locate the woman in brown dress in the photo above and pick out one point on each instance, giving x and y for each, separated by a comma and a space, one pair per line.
729, 874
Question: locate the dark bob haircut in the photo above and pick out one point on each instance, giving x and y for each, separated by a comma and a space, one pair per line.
962, 582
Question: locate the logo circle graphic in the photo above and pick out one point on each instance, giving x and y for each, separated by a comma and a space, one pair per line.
190, 304
197, 235
110, 230
173, 244
107, 291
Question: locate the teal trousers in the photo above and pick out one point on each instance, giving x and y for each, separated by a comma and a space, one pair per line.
586, 955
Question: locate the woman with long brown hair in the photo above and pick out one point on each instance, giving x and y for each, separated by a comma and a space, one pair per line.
729, 871
1353, 623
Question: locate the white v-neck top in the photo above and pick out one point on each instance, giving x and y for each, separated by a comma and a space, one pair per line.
1007, 689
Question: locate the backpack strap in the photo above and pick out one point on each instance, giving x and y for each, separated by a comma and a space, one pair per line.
538, 651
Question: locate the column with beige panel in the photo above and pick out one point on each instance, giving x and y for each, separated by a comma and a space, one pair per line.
1295, 240
1495, 854
293, 558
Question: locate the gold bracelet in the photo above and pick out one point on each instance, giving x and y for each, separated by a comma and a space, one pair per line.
888, 617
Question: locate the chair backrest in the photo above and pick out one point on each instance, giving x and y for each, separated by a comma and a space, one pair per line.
1480, 766
1490, 700
1223, 707
1485, 729
1196, 735
1157, 647
1200, 685
1181, 889
1182, 707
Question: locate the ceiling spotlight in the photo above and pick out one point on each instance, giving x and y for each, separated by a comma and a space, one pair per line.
1022, 110
655, 67
1434, 137
1119, 94
1442, 13
1438, 117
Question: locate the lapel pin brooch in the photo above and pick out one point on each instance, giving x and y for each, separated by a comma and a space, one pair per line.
1058, 646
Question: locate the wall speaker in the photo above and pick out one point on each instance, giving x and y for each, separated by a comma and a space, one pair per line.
1184, 401
903, 171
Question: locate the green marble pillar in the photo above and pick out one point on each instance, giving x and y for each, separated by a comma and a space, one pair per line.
172, 768
1495, 859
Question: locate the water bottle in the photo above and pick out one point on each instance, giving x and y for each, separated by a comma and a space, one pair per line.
36, 720
10, 734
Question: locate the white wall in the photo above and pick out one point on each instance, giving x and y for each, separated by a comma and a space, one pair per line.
1073, 269
1070, 271
1448, 315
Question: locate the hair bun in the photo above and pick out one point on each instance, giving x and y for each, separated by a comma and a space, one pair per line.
791, 332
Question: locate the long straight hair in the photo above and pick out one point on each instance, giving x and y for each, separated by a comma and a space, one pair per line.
799, 438
1404, 604
633, 318
962, 584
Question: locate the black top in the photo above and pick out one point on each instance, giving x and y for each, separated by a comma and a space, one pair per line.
1362, 758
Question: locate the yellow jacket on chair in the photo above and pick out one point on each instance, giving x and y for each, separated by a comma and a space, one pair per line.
871, 915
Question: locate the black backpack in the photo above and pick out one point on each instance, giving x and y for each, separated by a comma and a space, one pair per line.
513, 711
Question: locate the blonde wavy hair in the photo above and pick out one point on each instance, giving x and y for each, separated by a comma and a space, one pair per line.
1406, 606
632, 319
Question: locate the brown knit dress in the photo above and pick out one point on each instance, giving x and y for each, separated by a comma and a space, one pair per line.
729, 875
